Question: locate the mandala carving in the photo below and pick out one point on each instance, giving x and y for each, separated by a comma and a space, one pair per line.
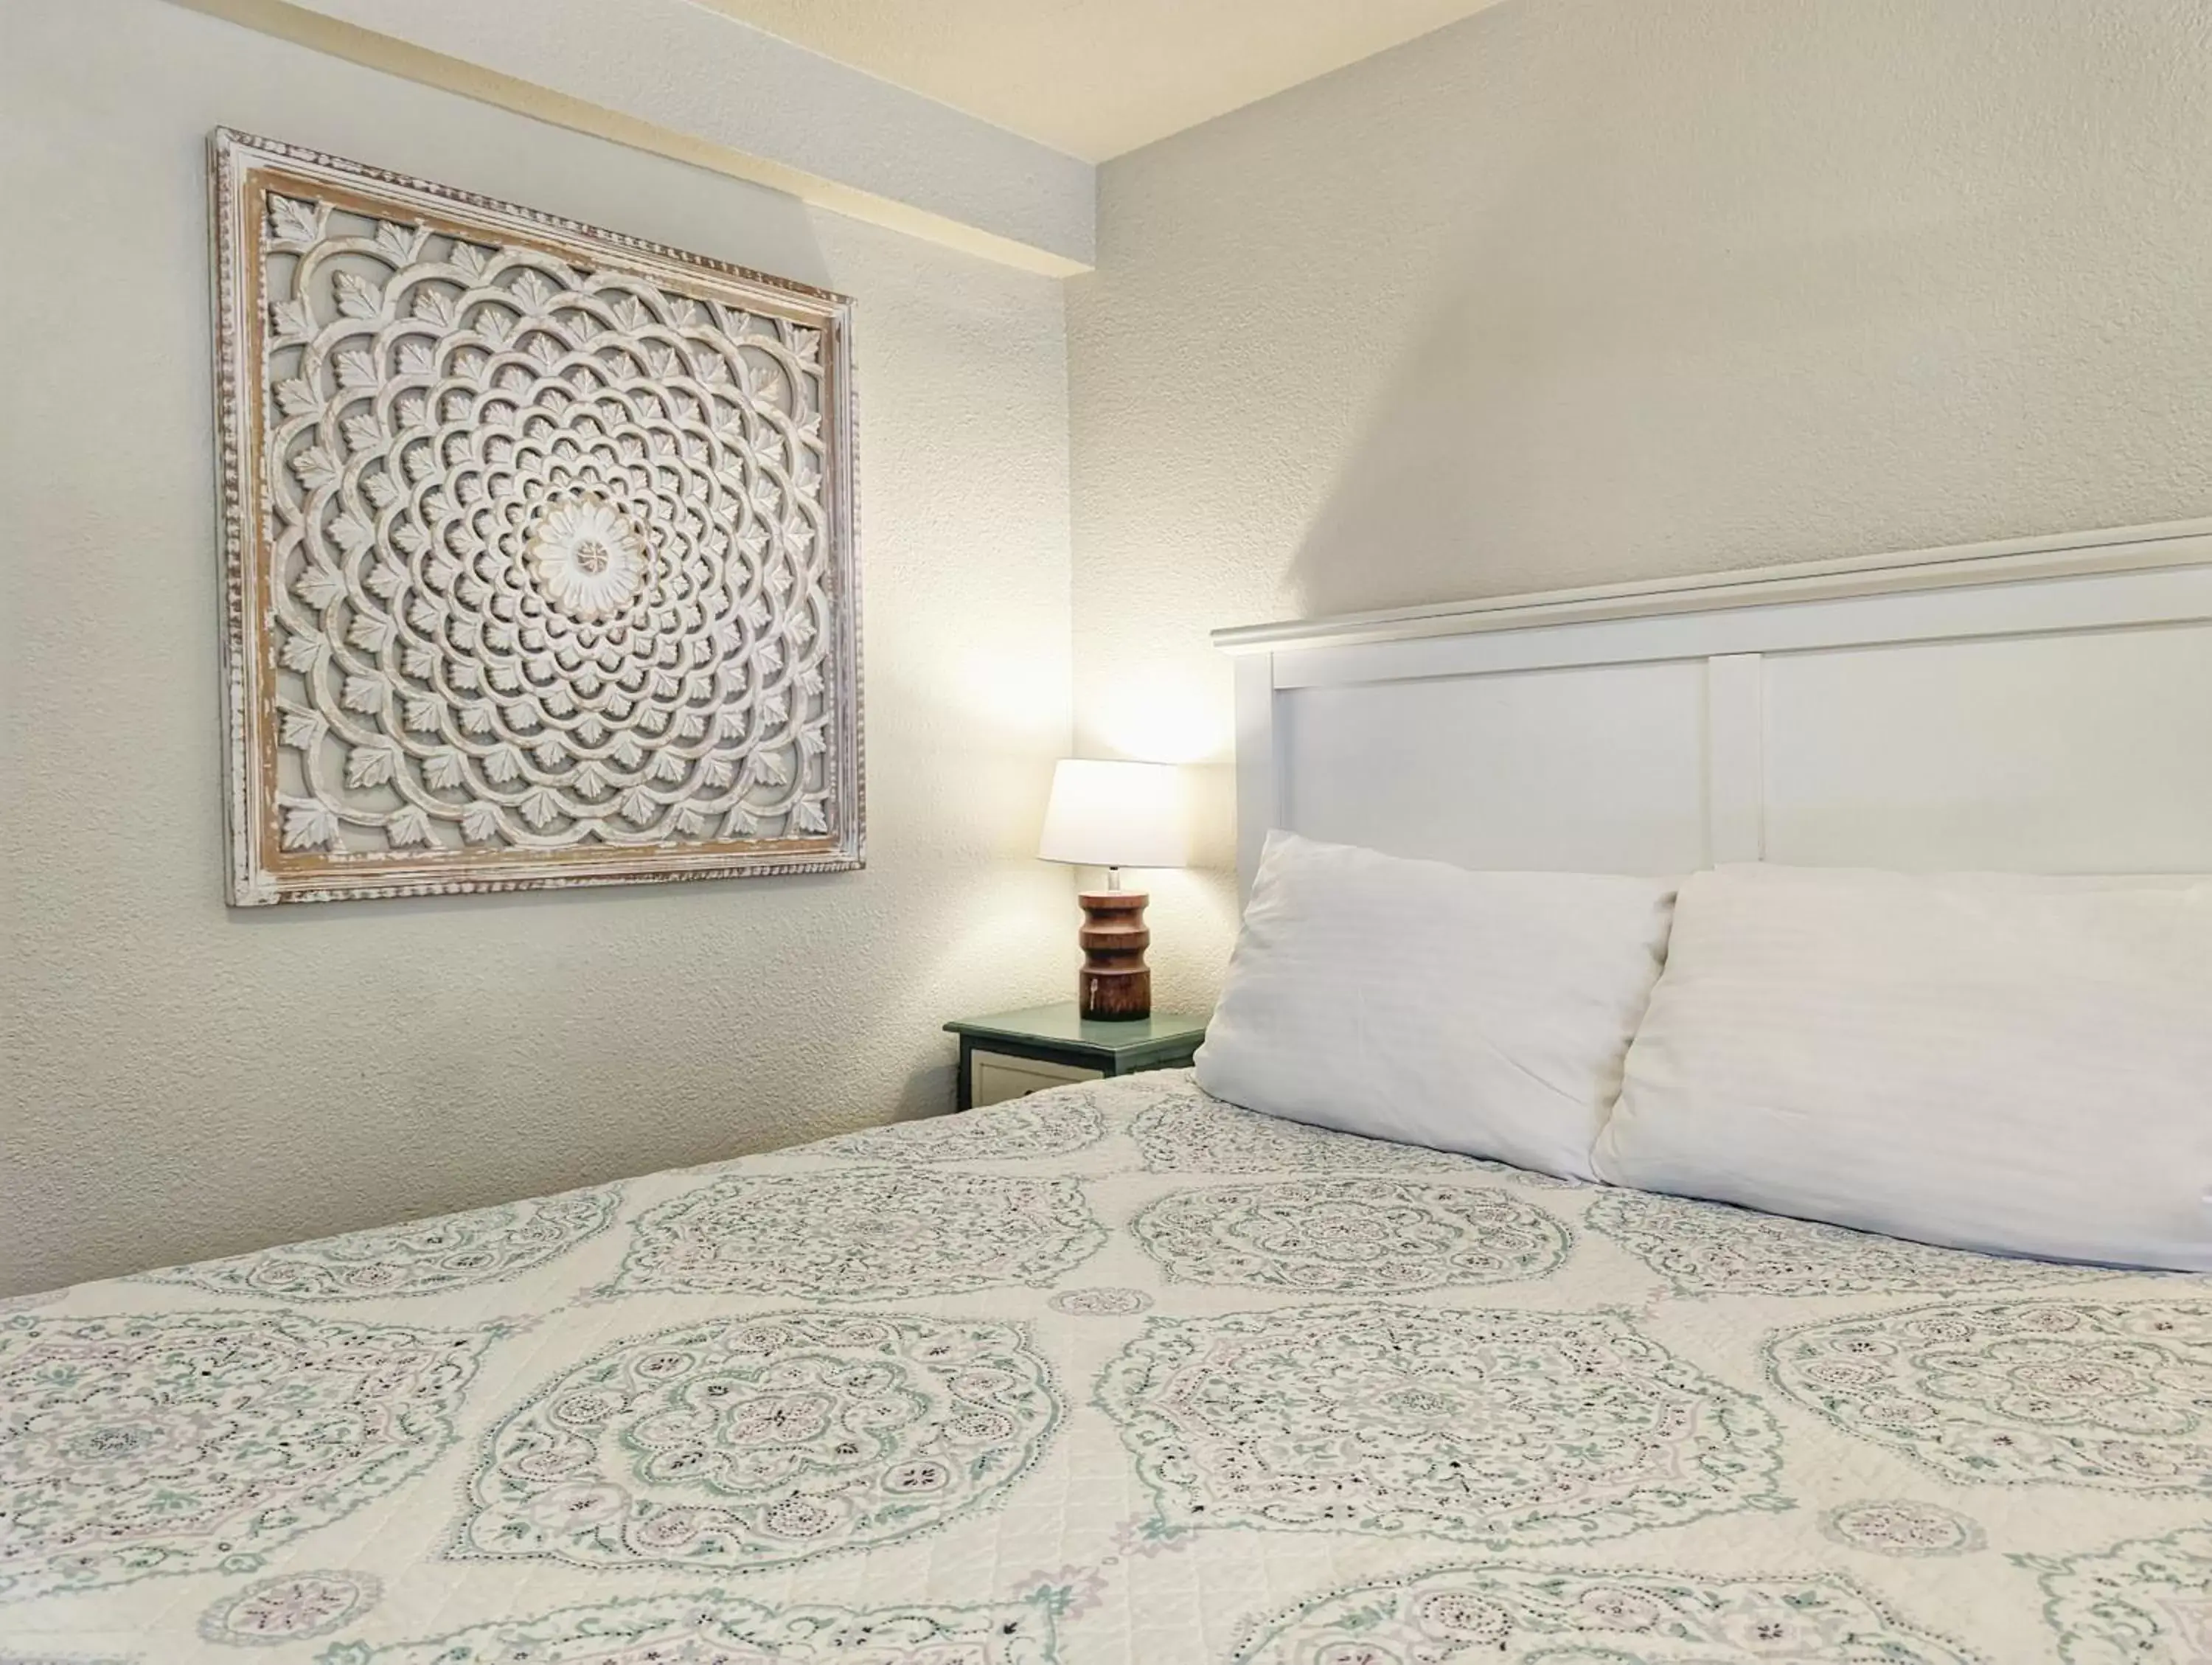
540, 544
1349, 1236
1520, 1428
763, 1442
1507, 1613
289, 1608
1710, 1248
1901, 1525
2147, 1602
2012, 1392
198, 1441
713, 1628
1048, 1124
1189, 1132
871, 1234
428, 1257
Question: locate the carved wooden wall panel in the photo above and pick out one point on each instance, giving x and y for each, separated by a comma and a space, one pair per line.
539, 544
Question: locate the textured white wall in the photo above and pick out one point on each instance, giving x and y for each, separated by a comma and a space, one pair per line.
181, 1080
1583, 290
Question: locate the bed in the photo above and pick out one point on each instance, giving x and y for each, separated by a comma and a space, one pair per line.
1113, 1373
1120, 1374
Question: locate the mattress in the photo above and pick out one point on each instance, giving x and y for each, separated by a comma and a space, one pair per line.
1114, 1375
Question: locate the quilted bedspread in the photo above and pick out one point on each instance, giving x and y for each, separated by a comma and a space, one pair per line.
1116, 1375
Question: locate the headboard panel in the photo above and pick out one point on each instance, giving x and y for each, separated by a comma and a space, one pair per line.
2043, 705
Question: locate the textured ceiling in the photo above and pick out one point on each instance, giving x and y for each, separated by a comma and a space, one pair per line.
1096, 77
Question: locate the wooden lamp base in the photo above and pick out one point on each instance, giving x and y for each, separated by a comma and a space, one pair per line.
1115, 982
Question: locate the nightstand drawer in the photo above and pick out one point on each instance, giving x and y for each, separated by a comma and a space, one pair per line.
1018, 1052
994, 1077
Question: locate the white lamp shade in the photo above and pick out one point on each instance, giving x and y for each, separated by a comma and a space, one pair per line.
1115, 815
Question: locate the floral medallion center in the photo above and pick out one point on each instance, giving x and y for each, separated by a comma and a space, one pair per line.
1512, 1613
422, 1257
183, 1442
1711, 1248
871, 1234
289, 1607
110, 1441
1901, 1525
1187, 1131
1048, 1124
588, 558
1365, 1236
1106, 1303
1509, 1427
2117, 1396
763, 1441
717, 1628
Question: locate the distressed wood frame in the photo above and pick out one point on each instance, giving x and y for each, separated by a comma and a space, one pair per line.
306, 858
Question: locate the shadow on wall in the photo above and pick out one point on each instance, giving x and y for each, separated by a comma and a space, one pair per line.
1717, 408
1415, 499
1426, 484
1780, 335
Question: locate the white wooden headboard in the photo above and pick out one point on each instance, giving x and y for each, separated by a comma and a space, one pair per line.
2044, 705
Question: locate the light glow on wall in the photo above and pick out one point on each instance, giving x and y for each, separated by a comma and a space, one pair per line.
1166, 715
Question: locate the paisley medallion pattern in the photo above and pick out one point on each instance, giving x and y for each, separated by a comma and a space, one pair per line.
1492, 1426
763, 1442
290, 1608
1711, 1248
1507, 1613
1901, 1525
1186, 1131
1048, 1124
2013, 1392
2144, 1602
713, 1628
1372, 1235
1347, 1446
426, 1257
194, 1441
873, 1234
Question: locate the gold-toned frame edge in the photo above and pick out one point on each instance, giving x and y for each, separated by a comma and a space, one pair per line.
258, 877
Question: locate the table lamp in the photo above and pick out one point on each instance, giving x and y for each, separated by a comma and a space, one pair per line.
1114, 815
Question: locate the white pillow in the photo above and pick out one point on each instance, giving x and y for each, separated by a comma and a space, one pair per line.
1989, 1061
1479, 1012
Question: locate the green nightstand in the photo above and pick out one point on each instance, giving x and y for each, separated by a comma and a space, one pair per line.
1024, 1052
